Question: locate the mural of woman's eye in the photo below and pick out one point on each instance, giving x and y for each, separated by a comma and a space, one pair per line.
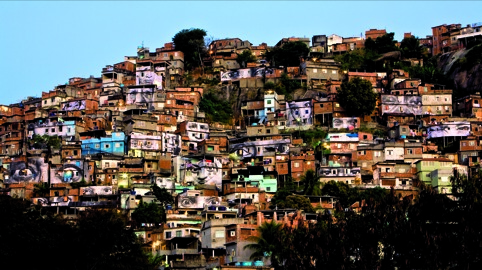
389, 99
337, 122
463, 128
187, 201
71, 173
19, 172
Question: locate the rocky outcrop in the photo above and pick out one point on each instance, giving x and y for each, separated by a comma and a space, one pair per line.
464, 69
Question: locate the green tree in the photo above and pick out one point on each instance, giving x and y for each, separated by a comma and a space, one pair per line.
216, 109
382, 44
245, 57
45, 141
311, 185
289, 54
357, 97
296, 202
267, 244
105, 243
410, 48
41, 189
149, 213
345, 194
162, 195
191, 43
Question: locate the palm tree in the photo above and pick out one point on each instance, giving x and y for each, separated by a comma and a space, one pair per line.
268, 244
311, 183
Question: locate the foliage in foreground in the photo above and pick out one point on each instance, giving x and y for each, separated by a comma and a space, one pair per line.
99, 240
430, 232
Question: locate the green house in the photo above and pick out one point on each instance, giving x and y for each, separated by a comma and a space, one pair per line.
426, 170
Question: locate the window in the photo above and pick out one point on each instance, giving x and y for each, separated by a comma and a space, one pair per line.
268, 131
60, 128
362, 153
106, 146
471, 143
268, 101
75, 152
364, 164
409, 151
337, 105
45, 101
324, 71
97, 145
117, 145
315, 70
46, 130
297, 165
219, 234
178, 233
106, 164
321, 105
52, 129
168, 235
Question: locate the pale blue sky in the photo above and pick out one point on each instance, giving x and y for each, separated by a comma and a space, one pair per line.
43, 44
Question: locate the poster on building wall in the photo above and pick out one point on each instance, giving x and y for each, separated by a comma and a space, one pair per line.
148, 77
171, 143
70, 171
197, 201
346, 122
402, 104
448, 130
34, 170
145, 142
246, 73
204, 172
340, 171
73, 105
140, 96
299, 113
61, 200
96, 190
40, 201
258, 148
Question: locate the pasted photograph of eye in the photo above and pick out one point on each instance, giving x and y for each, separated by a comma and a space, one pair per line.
68, 173
187, 202
22, 172
389, 100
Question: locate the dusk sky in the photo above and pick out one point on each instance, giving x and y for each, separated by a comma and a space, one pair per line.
43, 44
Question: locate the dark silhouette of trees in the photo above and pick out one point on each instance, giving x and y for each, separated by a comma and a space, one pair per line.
357, 97
191, 43
99, 240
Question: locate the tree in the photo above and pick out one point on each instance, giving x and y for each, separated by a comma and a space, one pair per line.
267, 244
191, 43
162, 195
105, 243
45, 141
289, 54
98, 240
410, 48
310, 183
357, 97
382, 44
345, 194
245, 57
149, 213
216, 109
297, 202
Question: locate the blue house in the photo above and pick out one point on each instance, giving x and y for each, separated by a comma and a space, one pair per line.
115, 145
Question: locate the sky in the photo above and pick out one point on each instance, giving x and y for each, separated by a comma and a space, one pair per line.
43, 44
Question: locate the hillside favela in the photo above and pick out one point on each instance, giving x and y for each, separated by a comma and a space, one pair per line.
322, 152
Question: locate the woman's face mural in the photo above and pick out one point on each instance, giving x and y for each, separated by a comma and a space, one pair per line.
35, 170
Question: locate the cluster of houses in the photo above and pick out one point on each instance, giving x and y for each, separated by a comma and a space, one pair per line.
139, 123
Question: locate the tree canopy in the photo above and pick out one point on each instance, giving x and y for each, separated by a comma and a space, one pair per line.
410, 48
149, 213
288, 55
216, 109
245, 57
357, 97
191, 43
98, 240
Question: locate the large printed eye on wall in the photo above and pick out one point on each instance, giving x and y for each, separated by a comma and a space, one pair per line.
69, 173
